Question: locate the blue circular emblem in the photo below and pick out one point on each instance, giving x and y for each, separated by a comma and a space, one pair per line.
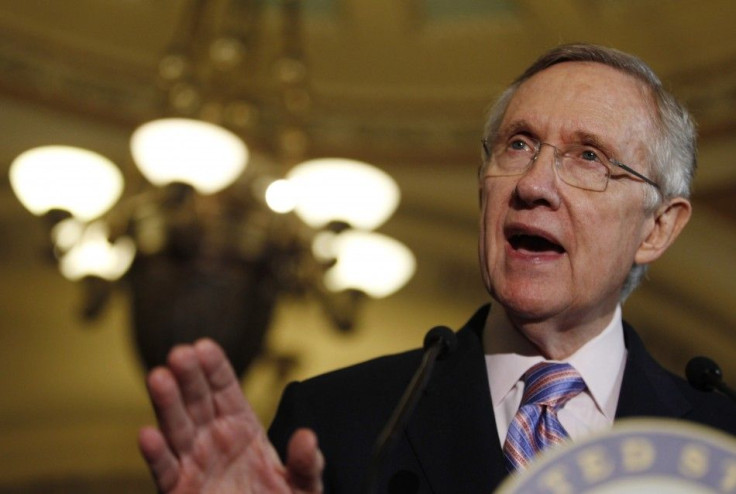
636, 456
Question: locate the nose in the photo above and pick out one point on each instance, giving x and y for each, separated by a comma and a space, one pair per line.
539, 184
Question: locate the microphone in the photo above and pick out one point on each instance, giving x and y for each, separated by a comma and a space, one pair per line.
439, 342
705, 375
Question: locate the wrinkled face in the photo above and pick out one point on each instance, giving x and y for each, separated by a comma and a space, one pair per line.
548, 250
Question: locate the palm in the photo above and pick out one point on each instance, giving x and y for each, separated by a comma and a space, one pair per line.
209, 438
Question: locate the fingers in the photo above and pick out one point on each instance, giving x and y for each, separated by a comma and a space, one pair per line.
305, 462
171, 412
198, 386
161, 461
226, 394
203, 416
193, 386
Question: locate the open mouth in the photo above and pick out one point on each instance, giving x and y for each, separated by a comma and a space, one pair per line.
534, 243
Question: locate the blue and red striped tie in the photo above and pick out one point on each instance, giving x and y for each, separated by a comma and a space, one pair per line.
535, 426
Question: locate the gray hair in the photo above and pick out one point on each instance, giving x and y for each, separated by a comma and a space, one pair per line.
672, 153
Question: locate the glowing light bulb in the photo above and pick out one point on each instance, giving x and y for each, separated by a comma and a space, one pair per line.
371, 262
206, 156
335, 189
71, 179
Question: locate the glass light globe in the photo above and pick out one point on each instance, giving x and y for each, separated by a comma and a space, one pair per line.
67, 233
94, 255
336, 189
280, 196
72, 179
206, 156
371, 262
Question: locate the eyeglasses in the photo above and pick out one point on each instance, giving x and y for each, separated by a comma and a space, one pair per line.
578, 165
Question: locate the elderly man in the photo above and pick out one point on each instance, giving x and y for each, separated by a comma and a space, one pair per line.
585, 178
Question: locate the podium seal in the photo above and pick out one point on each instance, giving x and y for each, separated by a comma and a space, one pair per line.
636, 456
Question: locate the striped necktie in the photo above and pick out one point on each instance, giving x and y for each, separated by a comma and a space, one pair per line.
548, 386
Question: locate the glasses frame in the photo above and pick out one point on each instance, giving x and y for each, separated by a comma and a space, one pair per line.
488, 154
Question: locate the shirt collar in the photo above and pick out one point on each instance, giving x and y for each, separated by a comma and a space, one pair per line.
600, 361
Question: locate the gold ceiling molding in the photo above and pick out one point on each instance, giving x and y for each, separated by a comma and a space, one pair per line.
68, 81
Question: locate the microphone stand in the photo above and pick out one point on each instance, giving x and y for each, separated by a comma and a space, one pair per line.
438, 342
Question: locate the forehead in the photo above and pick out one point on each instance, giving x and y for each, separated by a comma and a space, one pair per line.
571, 99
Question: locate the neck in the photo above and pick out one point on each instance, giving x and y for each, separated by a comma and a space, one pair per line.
551, 338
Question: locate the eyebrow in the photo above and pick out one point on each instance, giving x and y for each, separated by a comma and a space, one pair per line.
517, 127
579, 136
595, 141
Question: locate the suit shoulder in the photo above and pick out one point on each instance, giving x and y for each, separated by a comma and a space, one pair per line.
366, 377
345, 407
708, 407
648, 389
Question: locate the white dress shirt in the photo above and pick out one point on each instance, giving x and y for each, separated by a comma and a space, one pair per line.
600, 363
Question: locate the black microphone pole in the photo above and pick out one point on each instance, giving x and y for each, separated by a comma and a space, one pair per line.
704, 374
438, 343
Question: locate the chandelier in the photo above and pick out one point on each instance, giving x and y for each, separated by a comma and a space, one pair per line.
217, 233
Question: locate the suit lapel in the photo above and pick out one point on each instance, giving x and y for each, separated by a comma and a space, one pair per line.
647, 389
453, 430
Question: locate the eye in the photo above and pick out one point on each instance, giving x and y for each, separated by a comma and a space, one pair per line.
586, 154
520, 144
517, 145
590, 155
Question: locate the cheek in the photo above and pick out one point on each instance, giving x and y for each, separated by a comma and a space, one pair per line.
491, 219
490, 242
609, 237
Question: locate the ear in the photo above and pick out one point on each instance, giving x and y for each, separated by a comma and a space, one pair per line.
668, 221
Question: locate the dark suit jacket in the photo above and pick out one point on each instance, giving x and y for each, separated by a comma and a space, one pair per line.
450, 444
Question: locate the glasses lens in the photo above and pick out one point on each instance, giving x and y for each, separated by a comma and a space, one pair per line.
579, 166
506, 163
583, 168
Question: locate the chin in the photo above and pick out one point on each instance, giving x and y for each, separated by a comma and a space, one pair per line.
529, 304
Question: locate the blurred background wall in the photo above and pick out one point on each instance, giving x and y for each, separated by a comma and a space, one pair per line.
401, 85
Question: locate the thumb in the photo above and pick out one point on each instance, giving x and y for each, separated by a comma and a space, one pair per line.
304, 462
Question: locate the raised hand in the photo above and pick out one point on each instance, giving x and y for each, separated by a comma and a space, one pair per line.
209, 439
